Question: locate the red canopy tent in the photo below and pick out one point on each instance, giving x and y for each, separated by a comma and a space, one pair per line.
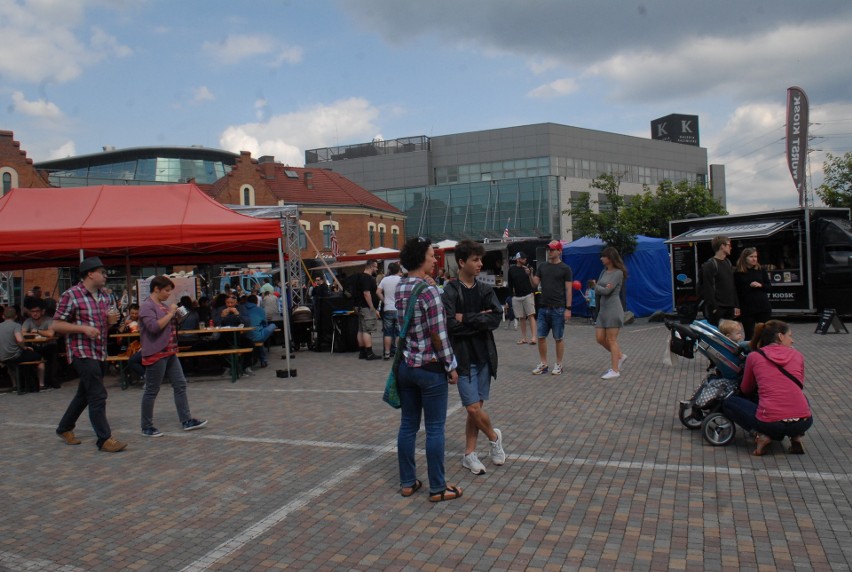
152, 225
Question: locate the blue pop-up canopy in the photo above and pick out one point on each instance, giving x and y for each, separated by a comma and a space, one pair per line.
649, 282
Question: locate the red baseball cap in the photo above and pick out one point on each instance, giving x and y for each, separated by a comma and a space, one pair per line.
554, 245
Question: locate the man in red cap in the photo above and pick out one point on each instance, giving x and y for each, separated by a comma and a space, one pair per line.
555, 278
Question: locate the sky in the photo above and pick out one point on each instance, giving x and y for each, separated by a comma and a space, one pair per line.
277, 77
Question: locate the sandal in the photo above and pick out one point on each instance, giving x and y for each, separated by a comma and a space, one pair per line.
408, 491
521, 342
450, 493
762, 443
796, 446
532, 342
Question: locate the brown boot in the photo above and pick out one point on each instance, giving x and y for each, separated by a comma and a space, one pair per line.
797, 447
761, 442
69, 438
113, 446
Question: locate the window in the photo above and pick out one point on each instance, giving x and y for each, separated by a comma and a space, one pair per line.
395, 236
371, 229
7, 182
247, 196
382, 230
326, 233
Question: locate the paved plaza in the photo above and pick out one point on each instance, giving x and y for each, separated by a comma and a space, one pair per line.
301, 473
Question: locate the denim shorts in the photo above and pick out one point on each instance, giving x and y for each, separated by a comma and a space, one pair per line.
476, 386
551, 319
390, 325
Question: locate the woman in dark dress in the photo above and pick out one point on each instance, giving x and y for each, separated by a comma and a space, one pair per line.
753, 287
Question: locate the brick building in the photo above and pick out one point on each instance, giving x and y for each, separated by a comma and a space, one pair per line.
325, 199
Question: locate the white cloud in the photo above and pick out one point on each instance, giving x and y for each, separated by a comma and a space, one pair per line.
286, 136
201, 94
41, 42
108, 44
747, 66
557, 88
67, 149
40, 108
238, 47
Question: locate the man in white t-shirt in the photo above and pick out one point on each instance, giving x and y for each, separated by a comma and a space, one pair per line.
390, 321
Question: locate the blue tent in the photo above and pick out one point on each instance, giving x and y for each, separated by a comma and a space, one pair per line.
649, 283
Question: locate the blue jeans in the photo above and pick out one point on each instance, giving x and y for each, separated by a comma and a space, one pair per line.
154, 374
744, 413
426, 391
551, 319
261, 336
91, 393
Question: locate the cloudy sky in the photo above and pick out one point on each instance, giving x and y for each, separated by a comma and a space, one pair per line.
276, 77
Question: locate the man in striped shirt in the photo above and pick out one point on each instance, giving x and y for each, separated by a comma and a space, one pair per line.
84, 316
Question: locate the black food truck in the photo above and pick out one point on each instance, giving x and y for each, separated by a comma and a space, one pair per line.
806, 251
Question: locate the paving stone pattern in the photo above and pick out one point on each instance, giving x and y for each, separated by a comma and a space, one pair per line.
301, 474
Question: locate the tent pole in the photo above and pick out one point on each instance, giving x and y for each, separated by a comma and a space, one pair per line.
82, 255
285, 312
127, 284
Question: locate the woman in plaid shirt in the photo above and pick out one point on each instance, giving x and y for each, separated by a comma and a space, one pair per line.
427, 366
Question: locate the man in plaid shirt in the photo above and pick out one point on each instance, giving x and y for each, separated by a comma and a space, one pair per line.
84, 316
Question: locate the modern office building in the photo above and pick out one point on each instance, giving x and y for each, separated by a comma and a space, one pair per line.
477, 184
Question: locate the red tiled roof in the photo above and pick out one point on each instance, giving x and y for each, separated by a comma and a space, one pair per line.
326, 188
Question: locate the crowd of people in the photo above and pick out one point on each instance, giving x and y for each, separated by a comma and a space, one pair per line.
448, 341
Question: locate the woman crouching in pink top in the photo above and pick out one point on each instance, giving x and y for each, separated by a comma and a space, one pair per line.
776, 372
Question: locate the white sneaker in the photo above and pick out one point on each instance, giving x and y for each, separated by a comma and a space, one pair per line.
610, 374
514, 324
621, 360
557, 369
498, 455
471, 461
540, 369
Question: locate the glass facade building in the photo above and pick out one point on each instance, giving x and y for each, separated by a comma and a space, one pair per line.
476, 184
481, 209
140, 166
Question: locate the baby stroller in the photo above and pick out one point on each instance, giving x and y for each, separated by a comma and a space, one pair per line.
301, 327
704, 409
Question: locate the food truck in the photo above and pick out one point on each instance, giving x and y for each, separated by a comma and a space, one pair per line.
806, 251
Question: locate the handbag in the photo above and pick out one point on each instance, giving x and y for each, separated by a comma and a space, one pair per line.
391, 394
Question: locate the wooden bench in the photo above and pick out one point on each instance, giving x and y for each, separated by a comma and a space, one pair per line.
15, 374
231, 353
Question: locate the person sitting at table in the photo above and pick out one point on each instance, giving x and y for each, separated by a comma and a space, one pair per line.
229, 316
13, 349
203, 310
262, 329
40, 324
130, 323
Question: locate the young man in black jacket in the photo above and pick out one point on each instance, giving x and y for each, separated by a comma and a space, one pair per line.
473, 312
717, 283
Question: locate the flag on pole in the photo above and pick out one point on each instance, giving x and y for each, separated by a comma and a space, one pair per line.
335, 248
506, 231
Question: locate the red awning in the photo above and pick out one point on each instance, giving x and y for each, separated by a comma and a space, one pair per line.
158, 224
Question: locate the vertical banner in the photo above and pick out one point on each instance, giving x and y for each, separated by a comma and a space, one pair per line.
797, 138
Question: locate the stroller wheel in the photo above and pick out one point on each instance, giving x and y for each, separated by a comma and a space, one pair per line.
690, 416
718, 430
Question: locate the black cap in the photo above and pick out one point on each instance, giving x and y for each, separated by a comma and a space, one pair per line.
89, 264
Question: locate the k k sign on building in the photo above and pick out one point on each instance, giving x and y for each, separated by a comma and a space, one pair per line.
676, 128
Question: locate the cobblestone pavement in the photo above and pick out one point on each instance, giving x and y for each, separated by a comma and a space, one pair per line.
301, 473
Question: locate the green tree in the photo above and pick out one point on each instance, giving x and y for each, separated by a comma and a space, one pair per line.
605, 224
836, 191
650, 212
